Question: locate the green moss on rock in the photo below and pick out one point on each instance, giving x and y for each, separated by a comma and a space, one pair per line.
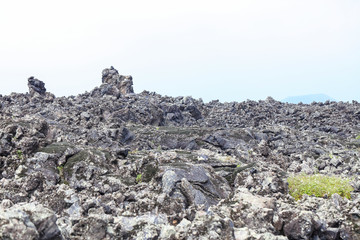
149, 172
70, 163
55, 148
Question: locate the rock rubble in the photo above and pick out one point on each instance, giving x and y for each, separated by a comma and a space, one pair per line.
114, 164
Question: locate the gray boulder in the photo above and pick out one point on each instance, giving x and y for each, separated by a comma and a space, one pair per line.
28, 221
195, 184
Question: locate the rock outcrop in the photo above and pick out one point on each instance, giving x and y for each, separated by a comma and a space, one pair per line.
112, 164
124, 84
36, 86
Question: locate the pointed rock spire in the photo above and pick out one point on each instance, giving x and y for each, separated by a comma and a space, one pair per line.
36, 86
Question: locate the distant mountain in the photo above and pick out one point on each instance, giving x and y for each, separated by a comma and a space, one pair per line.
307, 99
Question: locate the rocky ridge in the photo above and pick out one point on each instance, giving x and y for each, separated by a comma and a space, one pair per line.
113, 164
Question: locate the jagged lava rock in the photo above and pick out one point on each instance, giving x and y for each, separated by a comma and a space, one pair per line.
123, 83
36, 86
114, 164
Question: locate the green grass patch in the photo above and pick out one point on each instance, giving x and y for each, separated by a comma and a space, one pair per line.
358, 137
61, 172
319, 186
139, 178
19, 154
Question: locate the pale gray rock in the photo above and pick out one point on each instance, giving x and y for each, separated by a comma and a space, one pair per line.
167, 232
197, 184
28, 221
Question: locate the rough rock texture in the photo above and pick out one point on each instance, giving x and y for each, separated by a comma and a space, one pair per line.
36, 86
38, 92
27, 221
112, 164
123, 83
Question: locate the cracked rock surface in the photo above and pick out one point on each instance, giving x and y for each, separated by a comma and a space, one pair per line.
114, 164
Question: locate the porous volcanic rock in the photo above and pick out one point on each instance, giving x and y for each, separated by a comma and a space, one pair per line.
114, 164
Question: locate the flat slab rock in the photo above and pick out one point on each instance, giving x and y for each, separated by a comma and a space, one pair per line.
197, 184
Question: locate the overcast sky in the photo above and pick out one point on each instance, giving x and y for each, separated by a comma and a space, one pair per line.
227, 50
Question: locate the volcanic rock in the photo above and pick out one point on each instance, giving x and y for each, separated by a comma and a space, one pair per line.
123, 83
28, 221
114, 164
36, 86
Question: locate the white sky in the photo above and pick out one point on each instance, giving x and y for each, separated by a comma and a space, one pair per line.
227, 50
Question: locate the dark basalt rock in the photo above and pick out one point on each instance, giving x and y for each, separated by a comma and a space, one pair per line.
114, 164
36, 86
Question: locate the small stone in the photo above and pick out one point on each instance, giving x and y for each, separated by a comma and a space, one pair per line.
21, 170
86, 116
167, 232
6, 203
